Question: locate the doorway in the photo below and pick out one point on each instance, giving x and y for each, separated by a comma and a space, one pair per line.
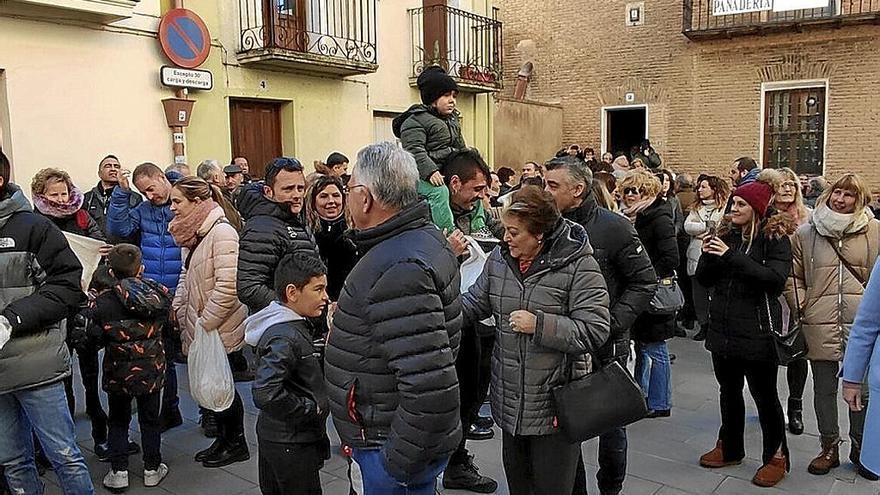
624, 127
256, 132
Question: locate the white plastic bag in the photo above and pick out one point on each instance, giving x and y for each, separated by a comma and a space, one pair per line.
472, 268
210, 376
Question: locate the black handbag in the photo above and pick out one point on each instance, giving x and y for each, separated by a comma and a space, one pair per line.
668, 299
793, 345
605, 399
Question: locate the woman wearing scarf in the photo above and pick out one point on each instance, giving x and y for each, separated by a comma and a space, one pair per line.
833, 256
56, 197
206, 295
651, 213
620, 167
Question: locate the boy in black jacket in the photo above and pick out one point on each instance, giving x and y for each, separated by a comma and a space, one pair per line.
129, 320
289, 382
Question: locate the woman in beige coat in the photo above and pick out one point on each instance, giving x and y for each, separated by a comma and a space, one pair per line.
206, 295
833, 256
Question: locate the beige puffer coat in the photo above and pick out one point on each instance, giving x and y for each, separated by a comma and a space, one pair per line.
828, 293
207, 290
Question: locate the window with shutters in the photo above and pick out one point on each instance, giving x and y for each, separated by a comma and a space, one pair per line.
794, 128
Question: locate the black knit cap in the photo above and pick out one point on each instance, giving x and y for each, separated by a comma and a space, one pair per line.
433, 83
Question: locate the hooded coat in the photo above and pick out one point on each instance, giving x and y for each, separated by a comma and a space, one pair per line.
748, 280
206, 293
829, 295
129, 321
565, 289
271, 231
430, 138
390, 361
39, 287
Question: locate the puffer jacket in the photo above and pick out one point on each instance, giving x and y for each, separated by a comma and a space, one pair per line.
625, 265
97, 203
206, 292
828, 293
288, 384
390, 358
656, 229
162, 261
129, 321
430, 138
338, 253
696, 226
748, 282
271, 231
39, 287
564, 288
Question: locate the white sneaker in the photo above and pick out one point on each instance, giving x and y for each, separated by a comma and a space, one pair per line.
116, 480
153, 478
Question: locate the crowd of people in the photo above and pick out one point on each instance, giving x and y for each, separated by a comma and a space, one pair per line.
397, 296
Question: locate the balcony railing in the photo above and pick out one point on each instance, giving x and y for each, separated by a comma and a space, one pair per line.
699, 21
467, 45
327, 36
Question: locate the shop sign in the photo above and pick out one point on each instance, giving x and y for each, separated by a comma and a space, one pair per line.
728, 7
187, 78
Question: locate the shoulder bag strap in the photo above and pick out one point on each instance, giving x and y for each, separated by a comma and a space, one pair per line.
845, 263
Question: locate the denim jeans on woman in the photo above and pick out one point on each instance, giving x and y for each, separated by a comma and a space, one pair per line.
377, 481
653, 374
42, 410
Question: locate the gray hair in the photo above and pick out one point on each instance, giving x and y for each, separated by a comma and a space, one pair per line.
206, 168
389, 172
577, 169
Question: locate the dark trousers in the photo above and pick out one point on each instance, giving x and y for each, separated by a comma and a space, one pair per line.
148, 419
89, 369
290, 468
796, 374
474, 368
612, 465
538, 465
761, 376
170, 399
231, 421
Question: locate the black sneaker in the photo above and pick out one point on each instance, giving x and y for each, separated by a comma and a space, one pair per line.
484, 421
476, 433
465, 476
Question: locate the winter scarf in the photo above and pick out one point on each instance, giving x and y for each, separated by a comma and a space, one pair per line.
60, 210
185, 228
799, 215
835, 225
631, 212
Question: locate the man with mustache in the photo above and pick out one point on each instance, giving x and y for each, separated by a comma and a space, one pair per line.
275, 226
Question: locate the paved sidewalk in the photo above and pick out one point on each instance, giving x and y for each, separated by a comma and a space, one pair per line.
663, 453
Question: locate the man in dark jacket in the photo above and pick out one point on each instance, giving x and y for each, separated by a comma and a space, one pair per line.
390, 361
149, 220
744, 171
274, 227
631, 284
648, 155
97, 201
39, 287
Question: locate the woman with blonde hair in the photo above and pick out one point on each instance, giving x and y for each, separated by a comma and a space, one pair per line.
652, 215
58, 199
206, 296
833, 255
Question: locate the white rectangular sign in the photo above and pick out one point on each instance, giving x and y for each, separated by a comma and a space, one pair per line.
785, 5
187, 78
728, 7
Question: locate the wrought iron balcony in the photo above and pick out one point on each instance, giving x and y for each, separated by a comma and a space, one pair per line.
700, 22
323, 36
467, 45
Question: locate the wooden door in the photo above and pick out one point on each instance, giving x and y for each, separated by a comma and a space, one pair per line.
287, 19
256, 133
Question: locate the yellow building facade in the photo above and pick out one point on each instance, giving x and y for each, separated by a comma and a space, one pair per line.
79, 79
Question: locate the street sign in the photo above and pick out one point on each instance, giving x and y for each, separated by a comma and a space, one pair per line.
184, 38
187, 78
728, 7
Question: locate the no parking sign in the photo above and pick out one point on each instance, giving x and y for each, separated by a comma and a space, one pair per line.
184, 38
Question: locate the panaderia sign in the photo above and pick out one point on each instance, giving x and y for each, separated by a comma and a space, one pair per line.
728, 7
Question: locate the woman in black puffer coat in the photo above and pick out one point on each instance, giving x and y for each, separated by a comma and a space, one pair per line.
325, 207
653, 218
747, 266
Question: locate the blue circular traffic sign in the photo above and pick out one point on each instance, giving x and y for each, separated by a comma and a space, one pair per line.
184, 38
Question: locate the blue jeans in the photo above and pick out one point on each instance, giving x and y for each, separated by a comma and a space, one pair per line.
653, 374
377, 481
42, 410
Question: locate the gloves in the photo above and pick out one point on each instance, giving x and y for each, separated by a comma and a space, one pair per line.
5, 331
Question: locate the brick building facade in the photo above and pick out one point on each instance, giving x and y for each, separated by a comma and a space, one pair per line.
797, 88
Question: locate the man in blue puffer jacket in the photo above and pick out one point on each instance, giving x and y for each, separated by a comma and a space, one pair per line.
161, 255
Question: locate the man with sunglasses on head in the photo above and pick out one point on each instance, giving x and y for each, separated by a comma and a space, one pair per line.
275, 226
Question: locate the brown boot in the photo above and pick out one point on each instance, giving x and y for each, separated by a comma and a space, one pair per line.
715, 458
829, 458
771, 473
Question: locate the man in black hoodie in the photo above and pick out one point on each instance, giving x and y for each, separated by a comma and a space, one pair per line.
631, 284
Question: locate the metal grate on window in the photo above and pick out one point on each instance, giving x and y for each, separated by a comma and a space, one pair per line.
794, 129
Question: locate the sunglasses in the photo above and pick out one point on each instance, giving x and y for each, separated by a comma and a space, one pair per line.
632, 190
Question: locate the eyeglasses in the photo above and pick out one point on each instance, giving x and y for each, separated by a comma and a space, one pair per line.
789, 184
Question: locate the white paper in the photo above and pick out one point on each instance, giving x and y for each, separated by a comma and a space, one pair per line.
785, 5
86, 250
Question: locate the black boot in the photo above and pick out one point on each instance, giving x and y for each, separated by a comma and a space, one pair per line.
232, 452
209, 424
461, 474
796, 416
210, 451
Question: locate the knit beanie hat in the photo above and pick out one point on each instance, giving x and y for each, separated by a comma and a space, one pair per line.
433, 83
757, 194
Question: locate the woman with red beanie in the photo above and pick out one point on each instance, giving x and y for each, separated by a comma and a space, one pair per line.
748, 263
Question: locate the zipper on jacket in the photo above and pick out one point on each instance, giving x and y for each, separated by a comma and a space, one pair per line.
521, 344
840, 288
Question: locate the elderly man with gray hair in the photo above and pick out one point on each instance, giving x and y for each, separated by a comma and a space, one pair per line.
210, 172
390, 360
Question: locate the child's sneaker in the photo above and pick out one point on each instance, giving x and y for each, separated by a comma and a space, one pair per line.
116, 481
153, 478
